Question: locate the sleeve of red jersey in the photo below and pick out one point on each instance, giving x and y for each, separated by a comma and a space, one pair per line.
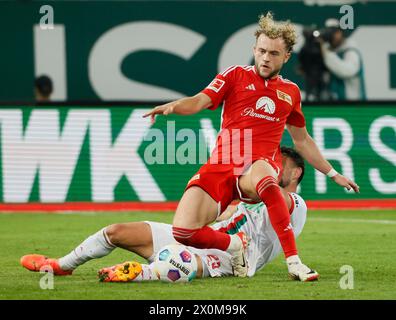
217, 89
296, 117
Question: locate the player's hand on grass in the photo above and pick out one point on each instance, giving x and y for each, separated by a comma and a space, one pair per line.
164, 109
346, 183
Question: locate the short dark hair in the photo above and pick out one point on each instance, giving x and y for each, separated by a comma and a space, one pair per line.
297, 159
44, 85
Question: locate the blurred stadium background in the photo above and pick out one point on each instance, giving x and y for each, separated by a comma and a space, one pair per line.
87, 149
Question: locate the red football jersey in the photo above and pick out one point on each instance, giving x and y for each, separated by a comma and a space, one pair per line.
251, 102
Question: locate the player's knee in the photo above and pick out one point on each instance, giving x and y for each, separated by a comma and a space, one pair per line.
114, 233
268, 189
254, 182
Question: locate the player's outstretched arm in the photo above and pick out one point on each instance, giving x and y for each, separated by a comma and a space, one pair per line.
307, 147
184, 106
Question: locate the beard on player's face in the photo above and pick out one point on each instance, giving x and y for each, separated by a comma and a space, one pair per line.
267, 74
284, 182
287, 175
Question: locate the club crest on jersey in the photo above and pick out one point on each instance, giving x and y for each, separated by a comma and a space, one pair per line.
284, 96
267, 104
216, 85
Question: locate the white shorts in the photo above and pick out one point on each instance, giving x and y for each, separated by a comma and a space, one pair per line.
216, 263
254, 221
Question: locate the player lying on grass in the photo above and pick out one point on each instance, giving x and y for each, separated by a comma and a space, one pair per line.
147, 238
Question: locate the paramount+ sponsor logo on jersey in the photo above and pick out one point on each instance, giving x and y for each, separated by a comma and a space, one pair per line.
265, 104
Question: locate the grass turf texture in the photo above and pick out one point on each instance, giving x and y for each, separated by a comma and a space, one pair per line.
364, 240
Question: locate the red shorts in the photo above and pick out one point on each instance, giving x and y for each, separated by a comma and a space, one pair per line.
220, 181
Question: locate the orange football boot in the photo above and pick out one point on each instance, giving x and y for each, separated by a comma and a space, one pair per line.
124, 272
36, 262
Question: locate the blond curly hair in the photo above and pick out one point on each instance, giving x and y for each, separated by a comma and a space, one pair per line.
277, 29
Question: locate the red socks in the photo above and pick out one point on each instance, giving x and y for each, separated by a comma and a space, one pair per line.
203, 238
269, 192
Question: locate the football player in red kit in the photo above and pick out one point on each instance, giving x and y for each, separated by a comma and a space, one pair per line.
257, 104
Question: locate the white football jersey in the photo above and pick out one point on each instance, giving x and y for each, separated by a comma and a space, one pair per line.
263, 246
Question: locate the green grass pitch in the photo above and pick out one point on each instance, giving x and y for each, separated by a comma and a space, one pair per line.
364, 240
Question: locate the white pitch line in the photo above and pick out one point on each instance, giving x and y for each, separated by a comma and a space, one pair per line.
351, 220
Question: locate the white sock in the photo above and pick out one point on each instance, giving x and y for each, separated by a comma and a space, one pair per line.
235, 244
293, 260
147, 273
95, 246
